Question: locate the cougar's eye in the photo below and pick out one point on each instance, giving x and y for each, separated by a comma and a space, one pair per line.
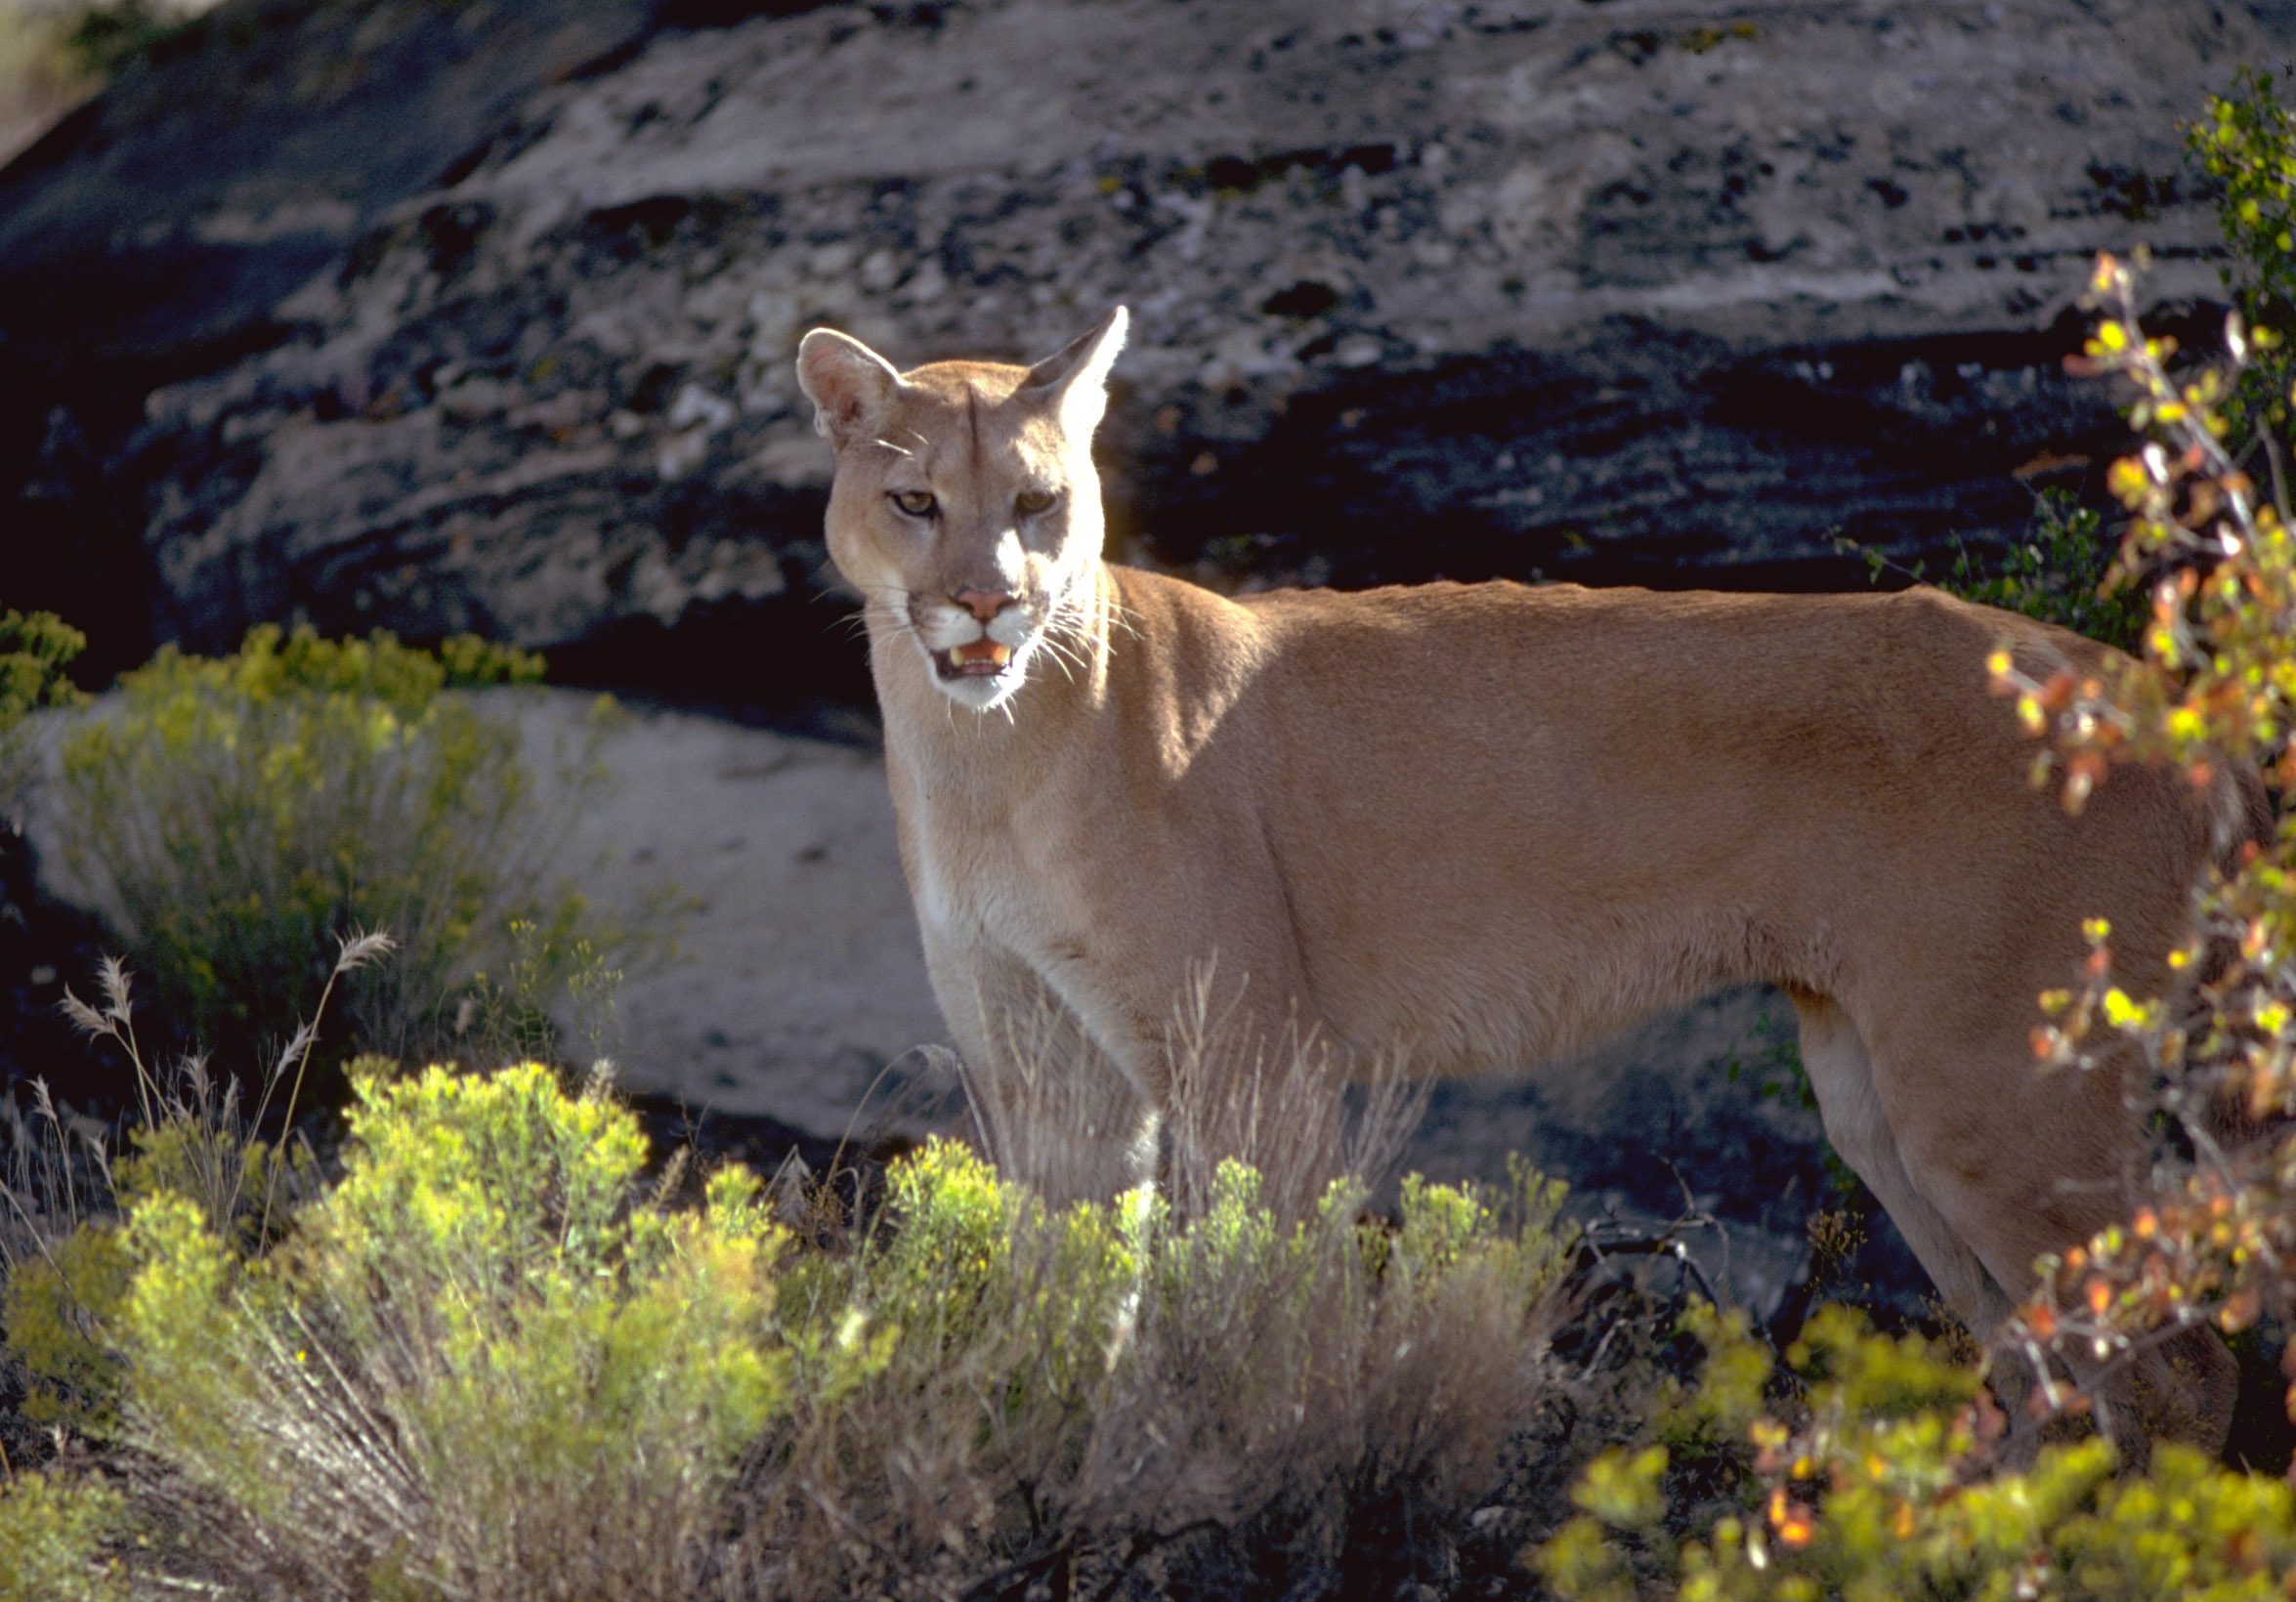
917, 503
1029, 502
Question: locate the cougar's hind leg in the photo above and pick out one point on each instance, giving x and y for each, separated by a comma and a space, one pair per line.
2178, 1386
1849, 1101
2019, 1162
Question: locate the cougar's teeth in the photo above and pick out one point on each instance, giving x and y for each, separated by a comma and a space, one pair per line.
981, 659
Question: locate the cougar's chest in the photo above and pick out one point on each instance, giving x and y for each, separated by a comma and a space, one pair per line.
981, 874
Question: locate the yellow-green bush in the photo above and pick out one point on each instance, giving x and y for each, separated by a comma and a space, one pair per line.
50, 1542
1884, 1483
51, 1311
2248, 145
60, 1290
479, 1364
35, 649
490, 1363
1234, 1402
236, 815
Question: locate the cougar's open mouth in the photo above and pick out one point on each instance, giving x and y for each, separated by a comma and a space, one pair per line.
981, 659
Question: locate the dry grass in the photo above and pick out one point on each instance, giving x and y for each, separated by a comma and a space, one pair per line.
1244, 1386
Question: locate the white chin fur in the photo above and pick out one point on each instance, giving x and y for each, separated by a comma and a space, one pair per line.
981, 695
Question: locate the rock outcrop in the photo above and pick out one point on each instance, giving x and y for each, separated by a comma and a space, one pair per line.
1613, 289
151, 235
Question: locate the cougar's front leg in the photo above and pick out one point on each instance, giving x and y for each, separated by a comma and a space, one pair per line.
1055, 1108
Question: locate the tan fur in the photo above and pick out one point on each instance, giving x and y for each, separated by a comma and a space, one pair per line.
1484, 824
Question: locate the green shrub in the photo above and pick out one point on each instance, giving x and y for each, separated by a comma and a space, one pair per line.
112, 34
2062, 572
35, 649
50, 1542
2247, 143
489, 1364
235, 816
1885, 1482
479, 1366
66, 1286
1242, 1402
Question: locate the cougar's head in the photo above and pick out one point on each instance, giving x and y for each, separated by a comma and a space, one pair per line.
966, 508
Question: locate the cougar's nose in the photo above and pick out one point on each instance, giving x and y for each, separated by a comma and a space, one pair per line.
981, 604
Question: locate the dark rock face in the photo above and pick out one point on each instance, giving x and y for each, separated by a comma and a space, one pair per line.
1605, 291
151, 235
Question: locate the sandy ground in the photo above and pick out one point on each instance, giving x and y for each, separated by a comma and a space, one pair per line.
796, 977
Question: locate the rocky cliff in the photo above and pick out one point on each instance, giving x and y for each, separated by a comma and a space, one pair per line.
480, 315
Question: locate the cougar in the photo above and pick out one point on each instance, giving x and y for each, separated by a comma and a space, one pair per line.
1477, 826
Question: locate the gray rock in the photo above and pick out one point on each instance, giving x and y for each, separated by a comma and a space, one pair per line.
1605, 291
151, 234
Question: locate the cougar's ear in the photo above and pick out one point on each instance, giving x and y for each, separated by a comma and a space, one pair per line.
848, 383
1073, 380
